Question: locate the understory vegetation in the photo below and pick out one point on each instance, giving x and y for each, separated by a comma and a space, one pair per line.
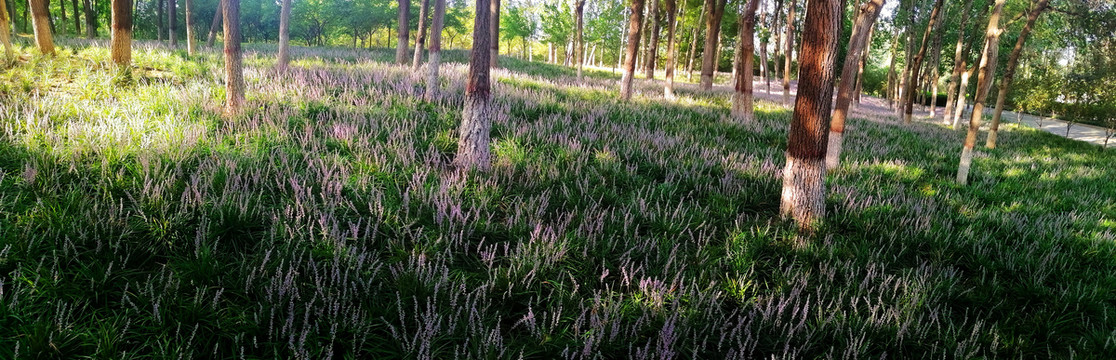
324, 221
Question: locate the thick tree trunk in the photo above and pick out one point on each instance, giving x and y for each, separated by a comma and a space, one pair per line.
803, 195
672, 24
960, 49
191, 38
234, 75
40, 20
476, 122
862, 28
693, 44
160, 15
404, 32
494, 33
284, 36
435, 62
710, 56
5, 34
633, 47
172, 22
213, 26
121, 32
579, 42
789, 50
1037, 8
653, 44
742, 101
90, 20
424, 12
916, 64
984, 83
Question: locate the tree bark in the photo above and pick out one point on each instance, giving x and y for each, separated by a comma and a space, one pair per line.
77, 18
432, 83
161, 15
653, 44
234, 76
121, 32
476, 122
40, 20
284, 36
579, 42
909, 30
90, 20
213, 26
693, 44
633, 47
860, 68
1037, 8
789, 39
865, 19
5, 34
916, 64
960, 49
191, 38
494, 33
172, 22
403, 34
764, 71
742, 109
712, 40
424, 12
892, 77
984, 83
803, 195
672, 24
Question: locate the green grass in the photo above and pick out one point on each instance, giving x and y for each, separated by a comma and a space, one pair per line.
137, 222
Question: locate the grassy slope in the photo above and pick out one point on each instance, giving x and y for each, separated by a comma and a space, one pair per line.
137, 223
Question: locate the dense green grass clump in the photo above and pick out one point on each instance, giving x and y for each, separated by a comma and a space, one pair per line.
137, 222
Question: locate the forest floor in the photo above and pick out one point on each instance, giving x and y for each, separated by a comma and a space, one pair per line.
136, 221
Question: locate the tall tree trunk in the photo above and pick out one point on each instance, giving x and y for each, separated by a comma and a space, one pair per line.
909, 30
672, 24
789, 39
62, 12
77, 17
860, 68
803, 195
494, 33
172, 22
162, 13
432, 83
213, 26
693, 44
579, 10
404, 32
775, 26
191, 38
5, 35
234, 75
960, 49
633, 47
476, 122
916, 64
653, 43
935, 64
90, 20
892, 77
764, 71
862, 28
709, 57
424, 12
963, 91
284, 36
742, 103
1037, 8
50, 18
984, 83
40, 20
121, 32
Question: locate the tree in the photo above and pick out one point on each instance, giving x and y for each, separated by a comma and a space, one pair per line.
916, 64
172, 21
40, 20
862, 28
493, 32
191, 41
476, 121
432, 83
1037, 8
693, 43
742, 108
403, 32
672, 24
77, 19
90, 19
803, 195
161, 15
653, 41
579, 41
984, 83
284, 36
789, 40
716, 9
634, 21
234, 75
216, 23
5, 36
121, 32
421, 40
960, 50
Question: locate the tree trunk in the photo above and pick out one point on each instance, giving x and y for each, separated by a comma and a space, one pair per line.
435, 62
742, 103
935, 64
5, 35
90, 20
213, 26
962, 92
892, 77
284, 36
672, 24
77, 18
789, 39
476, 122
121, 32
62, 12
424, 12
775, 26
803, 195
984, 83
916, 64
633, 47
404, 32
172, 22
191, 38
161, 15
862, 28
960, 50
693, 45
579, 10
858, 91
1037, 8
909, 29
234, 76
653, 44
40, 20
764, 71
712, 40
494, 33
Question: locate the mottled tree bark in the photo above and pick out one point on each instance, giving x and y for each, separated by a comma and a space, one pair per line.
579, 41
742, 100
40, 20
716, 10
803, 195
494, 33
432, 83
633, 47
672, 24
5, 34
916, 64
1037, 8
862, 27
960, 49
191, 38
284, 36
234, 75
476, 122
420, 41
984, 83
789, 40
121, 32
404, 31
213, 26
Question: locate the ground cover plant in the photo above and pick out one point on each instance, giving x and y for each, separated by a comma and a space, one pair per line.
322, 222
